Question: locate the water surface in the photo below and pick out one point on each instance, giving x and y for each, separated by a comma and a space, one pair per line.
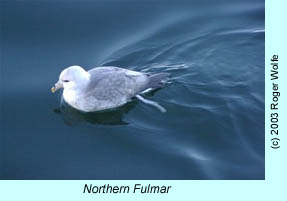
214, 124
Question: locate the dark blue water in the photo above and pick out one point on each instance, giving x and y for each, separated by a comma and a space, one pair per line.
214, 124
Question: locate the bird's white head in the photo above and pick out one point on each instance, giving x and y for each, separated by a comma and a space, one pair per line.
72, 78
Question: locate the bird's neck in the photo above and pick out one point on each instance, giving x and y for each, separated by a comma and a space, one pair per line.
72, 97
74, 94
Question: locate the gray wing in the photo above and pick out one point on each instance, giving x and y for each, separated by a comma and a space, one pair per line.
115, 85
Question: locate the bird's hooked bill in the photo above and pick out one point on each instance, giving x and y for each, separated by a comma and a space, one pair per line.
57, 86
53, 89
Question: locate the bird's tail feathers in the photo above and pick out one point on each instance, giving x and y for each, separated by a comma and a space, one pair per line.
157, 80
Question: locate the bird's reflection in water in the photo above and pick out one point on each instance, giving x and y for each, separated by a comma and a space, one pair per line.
73, 117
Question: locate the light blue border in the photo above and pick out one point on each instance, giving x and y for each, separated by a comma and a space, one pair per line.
275, 43
272, 188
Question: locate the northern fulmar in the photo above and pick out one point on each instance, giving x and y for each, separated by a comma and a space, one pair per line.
103, 88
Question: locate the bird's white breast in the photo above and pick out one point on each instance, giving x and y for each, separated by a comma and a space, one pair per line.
70, 97
76, 100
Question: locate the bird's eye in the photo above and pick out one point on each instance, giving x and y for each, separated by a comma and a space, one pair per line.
65, 80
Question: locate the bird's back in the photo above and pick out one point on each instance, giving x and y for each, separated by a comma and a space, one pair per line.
111, 87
